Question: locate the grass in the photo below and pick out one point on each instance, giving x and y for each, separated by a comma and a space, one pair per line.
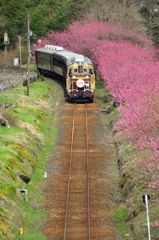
33, 216
120, 216
24, 149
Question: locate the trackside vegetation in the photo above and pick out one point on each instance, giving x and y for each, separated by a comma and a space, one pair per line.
128, 177
25, 145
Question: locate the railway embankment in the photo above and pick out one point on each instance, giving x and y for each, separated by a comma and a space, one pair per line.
129, 177
26, 140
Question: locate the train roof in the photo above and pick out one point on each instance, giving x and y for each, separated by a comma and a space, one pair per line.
68, 56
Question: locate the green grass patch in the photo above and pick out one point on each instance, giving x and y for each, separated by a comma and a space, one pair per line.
24, 149
121, 214
120, 217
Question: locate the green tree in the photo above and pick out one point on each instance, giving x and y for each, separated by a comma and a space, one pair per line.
46, 15
40, 20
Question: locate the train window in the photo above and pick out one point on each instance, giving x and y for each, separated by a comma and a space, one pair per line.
75, 70
85, 70
91, 71
70, 72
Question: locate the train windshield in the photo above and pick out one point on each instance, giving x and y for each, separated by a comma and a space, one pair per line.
80, 70
86, 71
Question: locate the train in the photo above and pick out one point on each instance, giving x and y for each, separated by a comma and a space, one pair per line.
76, 69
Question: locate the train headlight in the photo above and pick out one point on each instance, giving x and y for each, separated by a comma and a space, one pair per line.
87, 77
80, 83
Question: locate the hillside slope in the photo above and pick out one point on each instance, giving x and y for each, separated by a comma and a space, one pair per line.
25, 144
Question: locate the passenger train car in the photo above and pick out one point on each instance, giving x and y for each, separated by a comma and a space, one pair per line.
76, 69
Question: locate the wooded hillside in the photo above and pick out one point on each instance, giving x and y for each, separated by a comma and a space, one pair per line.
50, 15
45, 15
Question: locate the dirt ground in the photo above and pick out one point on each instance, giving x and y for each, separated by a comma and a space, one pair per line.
100, 188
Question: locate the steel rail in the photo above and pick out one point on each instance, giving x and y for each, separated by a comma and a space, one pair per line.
69, 175
88, 177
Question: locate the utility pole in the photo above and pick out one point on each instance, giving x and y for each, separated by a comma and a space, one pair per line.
146, 198
28, 55
148, 218
20, 51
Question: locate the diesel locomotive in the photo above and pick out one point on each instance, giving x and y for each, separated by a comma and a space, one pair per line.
76, 69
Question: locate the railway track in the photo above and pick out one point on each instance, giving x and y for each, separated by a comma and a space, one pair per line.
77, 214
77, 192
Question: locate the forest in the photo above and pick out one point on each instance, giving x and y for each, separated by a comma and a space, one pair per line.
52, 15
45, 16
